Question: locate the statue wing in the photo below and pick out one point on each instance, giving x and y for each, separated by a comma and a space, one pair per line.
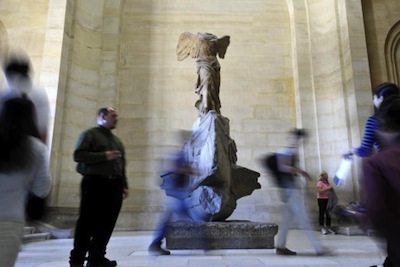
222, 45
187, 45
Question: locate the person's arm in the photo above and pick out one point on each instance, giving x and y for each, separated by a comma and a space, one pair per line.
321, 188
285, 165
369, 138
121, 148
41, 182
125, 179
85, 153
42, 106
304, 173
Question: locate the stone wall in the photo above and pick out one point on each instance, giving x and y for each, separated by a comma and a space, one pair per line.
290, 63
381, 29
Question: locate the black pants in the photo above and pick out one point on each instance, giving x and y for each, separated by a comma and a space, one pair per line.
101, 201
322, 204
393, 258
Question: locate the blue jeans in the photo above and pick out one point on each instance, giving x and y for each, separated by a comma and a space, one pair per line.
174, 206
295, 208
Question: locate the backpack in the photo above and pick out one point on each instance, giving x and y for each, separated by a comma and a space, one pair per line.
270, 163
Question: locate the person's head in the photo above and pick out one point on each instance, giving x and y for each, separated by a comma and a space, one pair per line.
383, 91
295, 136
390, 123
390, 119
15, 66
323, 175
17, 70
107, 117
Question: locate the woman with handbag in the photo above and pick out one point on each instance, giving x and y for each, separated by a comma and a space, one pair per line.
324, 189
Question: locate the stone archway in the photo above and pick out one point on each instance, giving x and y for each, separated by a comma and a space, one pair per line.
392, 53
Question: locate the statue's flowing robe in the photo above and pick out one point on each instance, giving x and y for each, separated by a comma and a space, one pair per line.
208, 83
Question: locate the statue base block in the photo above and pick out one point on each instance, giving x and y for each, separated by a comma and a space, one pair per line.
221, 235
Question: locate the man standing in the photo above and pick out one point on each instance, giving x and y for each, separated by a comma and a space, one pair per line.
293, 195
101, 160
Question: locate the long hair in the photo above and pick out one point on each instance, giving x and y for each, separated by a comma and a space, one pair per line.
16, 124
389, 91
386, 89
322, 175
390, 118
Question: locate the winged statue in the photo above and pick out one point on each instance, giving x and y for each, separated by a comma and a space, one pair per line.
205, 48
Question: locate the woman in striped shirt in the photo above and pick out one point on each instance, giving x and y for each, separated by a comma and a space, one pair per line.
383, 95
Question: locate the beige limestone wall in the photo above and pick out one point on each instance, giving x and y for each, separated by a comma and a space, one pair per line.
25, 23
381, 22
35, 28
134, 42
290, 63
336, 53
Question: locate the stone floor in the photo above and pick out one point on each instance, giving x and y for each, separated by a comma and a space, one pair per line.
130, 250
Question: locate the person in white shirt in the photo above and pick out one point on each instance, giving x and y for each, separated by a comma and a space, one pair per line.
294, 206
24, 166
18, 71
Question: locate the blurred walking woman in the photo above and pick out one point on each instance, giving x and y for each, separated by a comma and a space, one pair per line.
24, 166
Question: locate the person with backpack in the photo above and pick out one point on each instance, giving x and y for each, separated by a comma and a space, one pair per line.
294, 206
176, 186
24, 167
18, 72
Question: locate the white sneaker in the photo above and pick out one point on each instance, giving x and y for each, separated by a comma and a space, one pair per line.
324, 231
331, 232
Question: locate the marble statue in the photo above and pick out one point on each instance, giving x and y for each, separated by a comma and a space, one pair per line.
219, 182
205, 47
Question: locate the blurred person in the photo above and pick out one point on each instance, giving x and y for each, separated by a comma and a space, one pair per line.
384, 92
294, 203
324, 189
17, 70
176, 181
101, 161
383, 95
381, 183
24, 166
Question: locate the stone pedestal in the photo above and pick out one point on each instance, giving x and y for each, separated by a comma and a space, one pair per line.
221, 235
217, 182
